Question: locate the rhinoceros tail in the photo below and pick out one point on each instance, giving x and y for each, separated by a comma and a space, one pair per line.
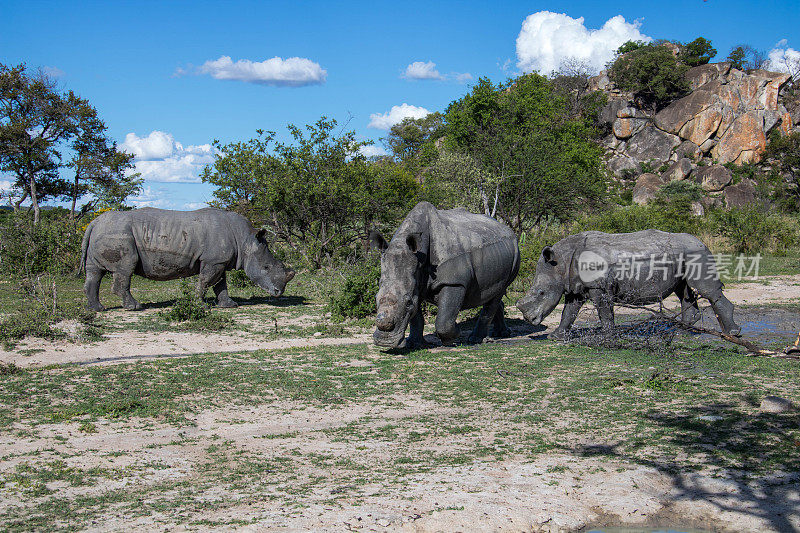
84, 248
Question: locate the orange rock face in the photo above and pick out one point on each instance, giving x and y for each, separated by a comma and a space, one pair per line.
744, 141
702, 126
623, 128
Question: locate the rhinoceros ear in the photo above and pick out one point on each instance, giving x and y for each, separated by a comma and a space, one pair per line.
261, 236
548, 254
418, 243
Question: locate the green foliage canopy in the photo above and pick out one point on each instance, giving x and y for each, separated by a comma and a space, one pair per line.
652, 73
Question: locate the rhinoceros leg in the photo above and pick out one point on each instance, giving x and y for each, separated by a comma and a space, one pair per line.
92, 289
486, 316
711, 289
690, 312
605, 308
209, 276
415, 332
572, 305
449, 302
122, 288
499, 327
221, 292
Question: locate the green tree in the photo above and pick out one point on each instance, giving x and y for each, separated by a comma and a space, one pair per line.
745, 57
407, 139
529, 160
34, 120
98, 167
697, 52
652, 73
318, 193
630, 46
783, 156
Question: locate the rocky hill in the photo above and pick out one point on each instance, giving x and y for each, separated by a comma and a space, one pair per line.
724, 119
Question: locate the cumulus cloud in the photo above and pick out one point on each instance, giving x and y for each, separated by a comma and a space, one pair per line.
191, 206
547, 39
373, 151
422, 70
289, 72
785, 59
426, 70
159, 158
151, 198
5, 185
384, 121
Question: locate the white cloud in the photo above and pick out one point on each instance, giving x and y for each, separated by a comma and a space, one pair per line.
5, 185
157, 145
289, 72
160, 158
384, 121
547, 39
421, 70
150, 198
463, 77
785, 59
191, 206
372, 150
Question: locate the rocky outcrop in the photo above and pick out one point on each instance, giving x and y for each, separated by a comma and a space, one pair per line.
646, 187
726, 118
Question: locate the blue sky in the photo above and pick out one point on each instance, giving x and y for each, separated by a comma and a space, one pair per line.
151, 66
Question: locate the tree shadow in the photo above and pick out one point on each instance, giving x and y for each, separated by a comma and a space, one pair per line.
754, 459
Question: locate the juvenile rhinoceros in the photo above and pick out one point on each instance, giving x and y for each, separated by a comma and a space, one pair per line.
161, 245
453, 259
634, 268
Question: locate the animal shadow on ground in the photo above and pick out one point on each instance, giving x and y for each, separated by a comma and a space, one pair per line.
280, 301
734, 440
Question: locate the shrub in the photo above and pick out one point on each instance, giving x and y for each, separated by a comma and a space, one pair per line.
652, 74
356, 297
748, 230
673, 216
54, 245
187, 306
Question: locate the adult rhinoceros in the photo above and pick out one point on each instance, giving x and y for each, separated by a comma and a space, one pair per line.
453, 259
161, 245
636, 268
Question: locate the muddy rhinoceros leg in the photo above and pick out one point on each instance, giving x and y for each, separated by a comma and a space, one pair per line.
449, 302
711, 289
690, 312
605, 308
92, 289
499, 328
122, 287
572, 305
221, 292
484, 318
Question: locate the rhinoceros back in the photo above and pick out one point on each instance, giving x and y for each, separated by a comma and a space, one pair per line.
169, 244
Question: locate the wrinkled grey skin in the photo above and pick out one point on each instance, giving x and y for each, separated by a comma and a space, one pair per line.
557, 275
161, 245
454, 259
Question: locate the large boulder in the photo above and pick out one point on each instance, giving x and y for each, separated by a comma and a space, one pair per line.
609, 112
703, 126
646, 187
687, 149
675, 116
678, 170
713, 178
741, 194
702, 74
743, 142
651, 144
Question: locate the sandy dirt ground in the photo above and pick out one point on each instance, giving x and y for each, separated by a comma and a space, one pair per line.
554, 492
129, 344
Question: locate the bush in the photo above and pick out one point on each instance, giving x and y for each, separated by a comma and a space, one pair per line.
356, 297
674, 217
748, 230
36, 320
652, 74
54, 245
187, 306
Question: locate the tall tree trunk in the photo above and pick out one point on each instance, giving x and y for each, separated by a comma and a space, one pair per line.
74, 196
34, 200
19, 202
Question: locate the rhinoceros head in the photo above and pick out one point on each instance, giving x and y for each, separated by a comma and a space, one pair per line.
262, 268
402, 272
549, 285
